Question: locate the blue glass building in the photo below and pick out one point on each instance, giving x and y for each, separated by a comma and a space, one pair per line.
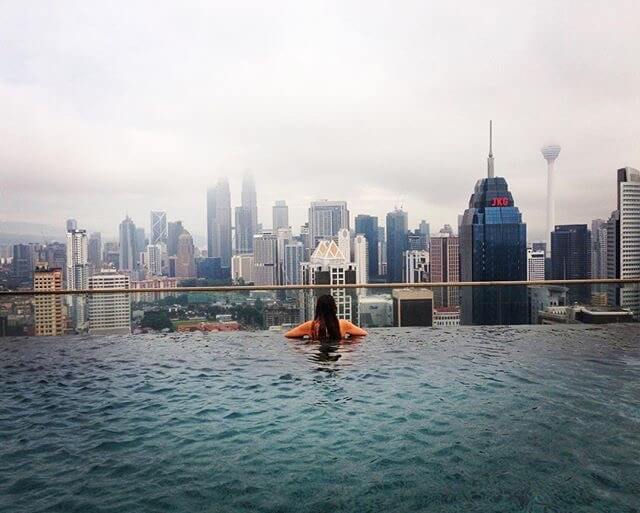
493, 247
397, 244
368, 226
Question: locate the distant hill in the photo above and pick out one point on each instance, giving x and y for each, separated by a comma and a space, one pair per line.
20, 232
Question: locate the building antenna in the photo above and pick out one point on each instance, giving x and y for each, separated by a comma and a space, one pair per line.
490, 159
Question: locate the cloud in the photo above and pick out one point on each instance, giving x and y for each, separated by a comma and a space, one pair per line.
109, 110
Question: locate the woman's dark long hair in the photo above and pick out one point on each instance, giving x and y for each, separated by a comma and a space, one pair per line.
326, 325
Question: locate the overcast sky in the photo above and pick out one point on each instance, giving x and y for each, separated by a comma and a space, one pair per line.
115, 107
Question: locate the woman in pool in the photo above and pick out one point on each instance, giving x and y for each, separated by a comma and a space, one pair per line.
326, 325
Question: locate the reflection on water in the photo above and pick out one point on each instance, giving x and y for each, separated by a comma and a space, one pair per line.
327, 353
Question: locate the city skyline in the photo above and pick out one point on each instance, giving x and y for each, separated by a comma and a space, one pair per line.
358, 97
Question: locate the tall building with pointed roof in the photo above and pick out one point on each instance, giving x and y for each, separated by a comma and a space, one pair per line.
328, 266
493, 247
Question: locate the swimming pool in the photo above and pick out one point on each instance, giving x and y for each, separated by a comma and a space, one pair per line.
467, 419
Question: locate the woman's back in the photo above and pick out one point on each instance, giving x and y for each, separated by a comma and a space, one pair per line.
310, 329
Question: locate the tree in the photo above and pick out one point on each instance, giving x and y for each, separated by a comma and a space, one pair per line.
157, 320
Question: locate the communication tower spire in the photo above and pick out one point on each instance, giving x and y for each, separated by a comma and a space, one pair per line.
490, 159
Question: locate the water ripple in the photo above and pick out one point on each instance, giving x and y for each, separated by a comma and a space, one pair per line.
472, 419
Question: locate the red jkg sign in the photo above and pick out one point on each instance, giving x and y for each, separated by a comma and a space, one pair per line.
500, 202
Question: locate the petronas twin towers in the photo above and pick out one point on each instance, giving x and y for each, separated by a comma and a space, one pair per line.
219, 220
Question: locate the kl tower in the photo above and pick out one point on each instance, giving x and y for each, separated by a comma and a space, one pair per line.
550, 154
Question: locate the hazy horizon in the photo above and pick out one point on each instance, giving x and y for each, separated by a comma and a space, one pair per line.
109, 111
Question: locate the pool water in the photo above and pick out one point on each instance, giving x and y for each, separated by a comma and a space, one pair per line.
468, 419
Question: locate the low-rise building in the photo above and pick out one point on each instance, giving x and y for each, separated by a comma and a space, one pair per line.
412, 307
445, 316
585, 314
375, 311
158, 282
207, 326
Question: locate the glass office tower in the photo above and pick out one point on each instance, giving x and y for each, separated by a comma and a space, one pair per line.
493, 247
368, 226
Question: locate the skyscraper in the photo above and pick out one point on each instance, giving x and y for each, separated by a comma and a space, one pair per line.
293, 257
550, 154
158, 227
382, 251
250, 202
244, 230
284, 237
280, 215
368, 226
54, 254
154, 259
344, 243
77, 274
141, 245
626, 241
77, 260
72, 224
535, 265
185, 256
23, 262
219, 222
94, 252
128, 248
493, 247
445, 267
397, 244
571, 258
265, 259
425, 230
174, 229
598, 249
325, 220
416, 266
361, 259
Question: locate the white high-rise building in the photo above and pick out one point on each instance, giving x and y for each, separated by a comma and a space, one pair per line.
550, 154
265, 259
109, 314
154, 259
628, 240
293, 257
242, 267
416, 266
280, 215
344, 243
159, 233
328, 266
77, 260
77, 275
535, 265
361, 258
284, 236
